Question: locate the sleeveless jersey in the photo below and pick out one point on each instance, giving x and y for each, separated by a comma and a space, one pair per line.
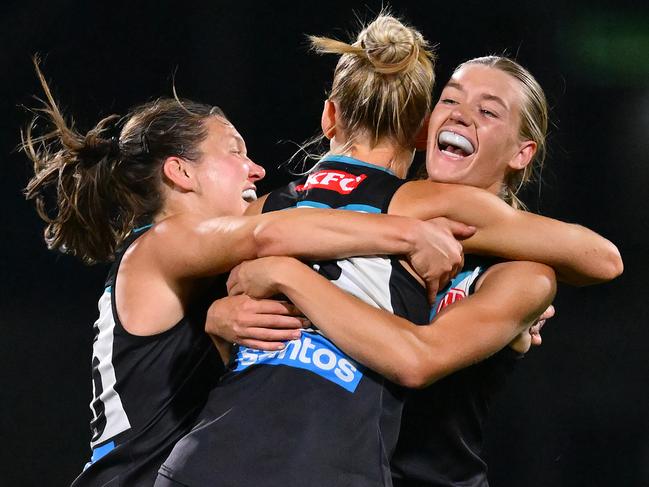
309, 415
147, 391
441, 438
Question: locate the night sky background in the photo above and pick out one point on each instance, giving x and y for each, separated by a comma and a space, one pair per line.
575, 413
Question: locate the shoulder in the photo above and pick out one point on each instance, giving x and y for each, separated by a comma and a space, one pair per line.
424, 198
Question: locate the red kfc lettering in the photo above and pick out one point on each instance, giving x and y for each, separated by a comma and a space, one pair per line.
339, 181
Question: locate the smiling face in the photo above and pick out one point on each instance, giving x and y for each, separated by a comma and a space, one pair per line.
225, 176
473, 131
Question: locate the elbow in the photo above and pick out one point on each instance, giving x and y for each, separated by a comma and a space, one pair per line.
416, 374
615, 266
610, 263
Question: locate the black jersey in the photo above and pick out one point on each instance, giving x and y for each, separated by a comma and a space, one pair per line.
441, 438
309, 415
147, 391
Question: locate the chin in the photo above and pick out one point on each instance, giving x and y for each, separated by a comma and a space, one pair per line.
440, 175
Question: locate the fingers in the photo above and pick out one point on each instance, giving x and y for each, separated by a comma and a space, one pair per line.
261, 345
274, 307
269, 335
275, 322
548, 313
431, 291
459, 230
536, 328
535, 333
267, 339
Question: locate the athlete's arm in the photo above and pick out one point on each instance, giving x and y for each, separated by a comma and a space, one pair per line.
579, 255
188, 246
170, 260
509, 298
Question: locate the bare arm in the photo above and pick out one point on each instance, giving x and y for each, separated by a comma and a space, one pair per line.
510, 297
188, 246
579, 255
171, 259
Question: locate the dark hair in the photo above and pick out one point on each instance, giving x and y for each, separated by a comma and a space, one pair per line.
102, 186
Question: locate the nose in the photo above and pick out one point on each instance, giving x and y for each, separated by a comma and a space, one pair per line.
255, 172
460, 115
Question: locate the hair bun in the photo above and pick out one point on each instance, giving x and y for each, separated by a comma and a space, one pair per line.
390, 46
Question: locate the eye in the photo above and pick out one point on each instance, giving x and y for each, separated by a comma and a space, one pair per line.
488, 113
448, 101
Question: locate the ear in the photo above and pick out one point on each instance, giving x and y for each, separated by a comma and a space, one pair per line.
524, 156
179, 173
328, 120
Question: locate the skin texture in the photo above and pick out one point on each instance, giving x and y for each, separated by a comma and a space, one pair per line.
482, 104
410, 355
201, 233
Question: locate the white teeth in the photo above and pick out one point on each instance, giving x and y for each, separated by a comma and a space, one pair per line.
249, 195
447, 137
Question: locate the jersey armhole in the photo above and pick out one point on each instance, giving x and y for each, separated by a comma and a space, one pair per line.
113, 298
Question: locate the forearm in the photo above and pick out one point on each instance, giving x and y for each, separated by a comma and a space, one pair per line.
205, 247
330, 234
579, 255
415, 356
377, 339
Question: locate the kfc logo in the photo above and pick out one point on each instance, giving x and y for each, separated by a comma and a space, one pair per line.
338, 181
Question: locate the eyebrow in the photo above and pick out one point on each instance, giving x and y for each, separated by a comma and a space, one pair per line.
485, 96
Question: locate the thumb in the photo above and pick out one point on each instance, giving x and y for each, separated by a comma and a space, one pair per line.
459, 230
233, 278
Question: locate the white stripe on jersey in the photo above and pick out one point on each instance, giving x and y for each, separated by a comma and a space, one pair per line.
102, 349
367, 278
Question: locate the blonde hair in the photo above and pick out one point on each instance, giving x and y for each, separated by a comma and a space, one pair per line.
383, 81
533, 122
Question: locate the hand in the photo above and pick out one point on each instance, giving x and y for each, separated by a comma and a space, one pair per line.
532, 336
256, 323
256, 277
437, 255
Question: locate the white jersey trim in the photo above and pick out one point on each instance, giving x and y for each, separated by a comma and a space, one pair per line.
102, 350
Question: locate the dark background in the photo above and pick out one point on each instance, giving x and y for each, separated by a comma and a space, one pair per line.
574, 414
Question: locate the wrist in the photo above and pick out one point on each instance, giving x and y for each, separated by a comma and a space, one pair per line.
409, 235
285, 273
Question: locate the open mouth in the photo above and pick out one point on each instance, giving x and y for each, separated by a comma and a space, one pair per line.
454, 144
249, 195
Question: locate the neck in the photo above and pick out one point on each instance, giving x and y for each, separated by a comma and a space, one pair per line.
175, 204
384, 154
